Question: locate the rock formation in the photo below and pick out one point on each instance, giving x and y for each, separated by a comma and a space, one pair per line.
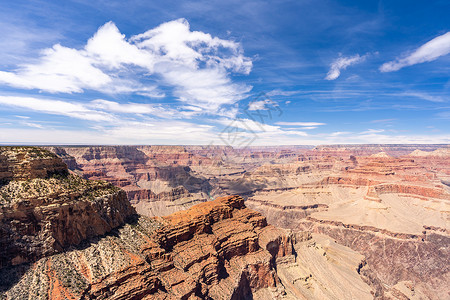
215, 250
157, 179
26, 163
44, 210
394, 211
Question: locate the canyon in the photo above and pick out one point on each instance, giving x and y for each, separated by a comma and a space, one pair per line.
288, 222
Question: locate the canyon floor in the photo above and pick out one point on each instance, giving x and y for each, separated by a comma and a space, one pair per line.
325, 222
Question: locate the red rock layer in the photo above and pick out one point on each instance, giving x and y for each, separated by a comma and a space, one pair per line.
215, 250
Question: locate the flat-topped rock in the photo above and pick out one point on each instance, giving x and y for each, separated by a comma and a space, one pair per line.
24, 163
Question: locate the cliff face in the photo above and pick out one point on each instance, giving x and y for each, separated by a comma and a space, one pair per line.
215, 250
42, 215
158, 180
23, 163
394, 211
370, 149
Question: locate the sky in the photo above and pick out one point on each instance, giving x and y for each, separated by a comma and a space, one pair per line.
236, 73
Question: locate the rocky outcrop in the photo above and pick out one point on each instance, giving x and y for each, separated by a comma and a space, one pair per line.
369, 149
442, 152
65, 237
148, 174
25, 163
215, 250
42, 215
392, 258
394, 211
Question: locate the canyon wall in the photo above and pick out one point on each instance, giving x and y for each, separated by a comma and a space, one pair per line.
385, 202
65, 237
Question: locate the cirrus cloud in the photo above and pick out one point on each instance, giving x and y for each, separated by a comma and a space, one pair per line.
432, 50
342, 63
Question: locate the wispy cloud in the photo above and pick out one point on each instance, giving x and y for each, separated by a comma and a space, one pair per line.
429, 51
372, 131
300, 123
31, 124
195, 65
278, 92
262, 105
383, 121
134, 108
308, 127
444, 115
56, 107
98, 110
338, 133
424, 96
342, 63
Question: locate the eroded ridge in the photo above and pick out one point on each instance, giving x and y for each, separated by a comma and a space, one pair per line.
215, 250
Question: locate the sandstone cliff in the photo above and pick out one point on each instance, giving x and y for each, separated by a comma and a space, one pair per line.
23, 163
43, 209
158, 180
394, 211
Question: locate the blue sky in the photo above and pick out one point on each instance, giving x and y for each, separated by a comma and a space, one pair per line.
224, 72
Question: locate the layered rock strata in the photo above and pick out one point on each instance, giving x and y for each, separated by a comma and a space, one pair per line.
26, 163
44, 210
215, 250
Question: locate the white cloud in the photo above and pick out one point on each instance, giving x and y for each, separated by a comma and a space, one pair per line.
195, 65
56, 107
308, 127
109, 48
162, 132
168, 132
424, 96
97, 110
61, 69
342, 63
261, 105
257, 105
54, 137
281, 93
429, 51
337, 133
300, 123
31, 124
262, 133
247, 124
133, 108
207, 89
372, 131
174, 42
